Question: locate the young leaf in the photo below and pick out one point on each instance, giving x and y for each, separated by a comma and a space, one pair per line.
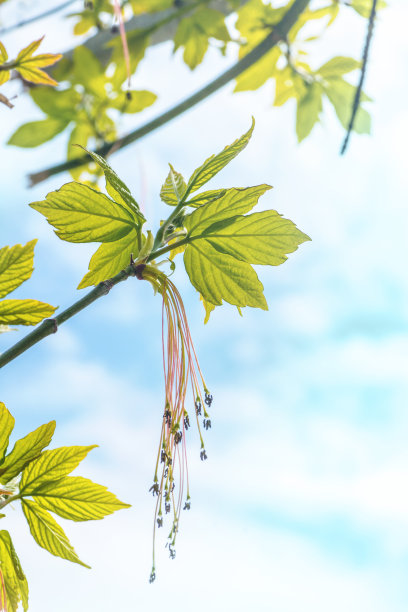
77, 499
29, 66
233, 202
341, 95
24, 312
81, 214
36, 133
26, 450
52, 465
57, 104
117, 189
215, 163
206, 196
15, 581
47, 533
109, 259
6, 427
133, 101
4, 74
218, 277
173, 188
261, 238
16, 266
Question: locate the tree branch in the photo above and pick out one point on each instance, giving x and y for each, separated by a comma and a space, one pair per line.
356, 103
279, 33
43, 15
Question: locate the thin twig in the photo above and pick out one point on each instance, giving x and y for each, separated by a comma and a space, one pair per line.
279, 33
357, 97
47, 13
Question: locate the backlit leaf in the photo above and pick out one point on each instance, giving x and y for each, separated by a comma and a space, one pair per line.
47, 533
308, 110
52, 465
6, 427
173, 188
14, 579
57, 104
133, 101
215, 163
26, 450
341, 95
16, 266
29, 66
77, 499
81, 214
338, 66
24, 312
206, 196
109, 259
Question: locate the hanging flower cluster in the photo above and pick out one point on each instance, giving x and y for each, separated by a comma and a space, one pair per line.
181, 372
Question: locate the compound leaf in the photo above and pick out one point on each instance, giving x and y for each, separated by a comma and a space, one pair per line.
29, 66
47, 533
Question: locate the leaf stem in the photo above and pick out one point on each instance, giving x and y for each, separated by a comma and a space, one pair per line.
278, 34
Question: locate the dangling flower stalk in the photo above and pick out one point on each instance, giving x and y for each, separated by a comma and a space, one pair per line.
181, 371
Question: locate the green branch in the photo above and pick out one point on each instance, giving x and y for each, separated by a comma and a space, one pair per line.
278, 34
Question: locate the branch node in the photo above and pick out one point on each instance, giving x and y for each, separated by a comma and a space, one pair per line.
52, 323
138, 271
105, 287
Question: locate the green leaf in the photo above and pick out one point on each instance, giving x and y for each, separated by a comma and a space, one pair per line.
80, 135
117, 189
262, 238
29, 66
16, 266
233, 202
6, 427
308, 110
173, 188
338, 66
208, 307
24, 312
37, 132
215, 163
341, 94
221, 277
363, 7
109, 259
205, 197
139, 100
77, 499
57, 104
88, 71
259, 73
26, 450
81, 214
15, 581
47, 533
52, 465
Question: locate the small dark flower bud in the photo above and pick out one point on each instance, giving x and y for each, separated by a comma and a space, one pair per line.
208, 399
128, 96
177, 437
167, 507
207, 424
114, 29
152, 577
155, 489
198, 407
160, 521
203, 455
163, 456
187, 505
186, 422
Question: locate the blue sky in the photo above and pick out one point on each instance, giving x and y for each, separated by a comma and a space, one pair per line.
302, 503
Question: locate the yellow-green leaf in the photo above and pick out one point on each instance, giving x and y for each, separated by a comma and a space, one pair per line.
29, 66
36, 133
219, 277
47, 533
3, 53
109, 259
215, 163
24, 312
261, 238
341, 94
81, 214
205, 197
15, 581
173, 188
52, 465
77, 499
57, 104
26, 450
16, 266
338, 66
117, 189
208, 307
6, 427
